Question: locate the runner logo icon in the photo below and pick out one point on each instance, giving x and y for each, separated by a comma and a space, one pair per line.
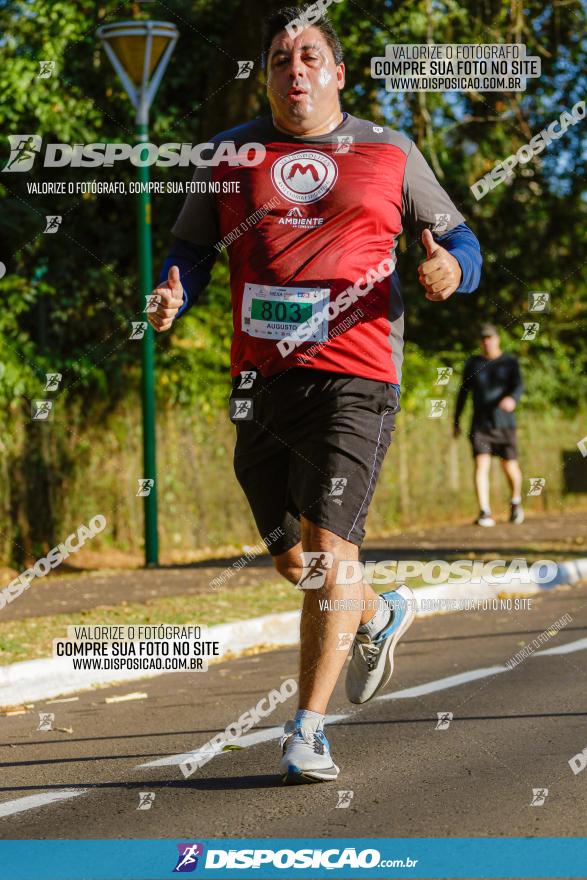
443, 375
41, 410
538, 301
241, 410
437, 408
146, 799
444, 719
304, 176
315, 565
345, 142
187, 859
23, 149
337, 485
247, 378
46, 720
52, 381
344, 799
537, 484
530, 330
539, 795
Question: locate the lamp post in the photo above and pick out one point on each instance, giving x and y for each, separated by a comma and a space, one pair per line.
139, 52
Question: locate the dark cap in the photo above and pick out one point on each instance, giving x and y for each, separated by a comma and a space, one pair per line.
488, 330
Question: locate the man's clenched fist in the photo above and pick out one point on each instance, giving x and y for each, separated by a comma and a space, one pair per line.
169, 300
507, 404
440, 273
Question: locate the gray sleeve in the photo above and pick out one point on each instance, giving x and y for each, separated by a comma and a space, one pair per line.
198, 219
423, 198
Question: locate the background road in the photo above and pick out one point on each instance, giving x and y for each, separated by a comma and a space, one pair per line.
512, 732
558, 533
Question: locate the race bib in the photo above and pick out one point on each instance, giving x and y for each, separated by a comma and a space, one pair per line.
277, 312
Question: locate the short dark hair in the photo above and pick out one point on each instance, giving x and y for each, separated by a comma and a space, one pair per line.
277, 22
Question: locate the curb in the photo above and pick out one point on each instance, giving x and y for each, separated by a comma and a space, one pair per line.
52, 677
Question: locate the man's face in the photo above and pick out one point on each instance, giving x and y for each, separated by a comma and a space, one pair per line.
303, 80
490, 346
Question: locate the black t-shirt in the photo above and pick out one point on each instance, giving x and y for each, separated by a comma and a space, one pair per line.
489, 381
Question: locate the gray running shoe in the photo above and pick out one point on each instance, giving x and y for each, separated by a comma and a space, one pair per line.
306, 755
371, 664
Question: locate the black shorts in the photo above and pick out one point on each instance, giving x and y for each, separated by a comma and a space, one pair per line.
311, 443
495, 441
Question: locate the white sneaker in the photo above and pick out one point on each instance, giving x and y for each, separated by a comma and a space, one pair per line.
485, 519
371, 664
306, 755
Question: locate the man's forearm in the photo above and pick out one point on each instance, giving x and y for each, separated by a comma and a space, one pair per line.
463, 245
461, 399
518, 388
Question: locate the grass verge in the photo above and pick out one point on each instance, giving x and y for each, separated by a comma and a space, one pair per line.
32, 638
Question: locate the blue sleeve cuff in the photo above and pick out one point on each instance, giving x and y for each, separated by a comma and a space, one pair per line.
462, 243
195, 267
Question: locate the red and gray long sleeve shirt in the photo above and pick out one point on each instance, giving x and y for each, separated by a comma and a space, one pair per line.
311, 233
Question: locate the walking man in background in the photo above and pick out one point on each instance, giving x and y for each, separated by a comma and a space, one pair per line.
495, 381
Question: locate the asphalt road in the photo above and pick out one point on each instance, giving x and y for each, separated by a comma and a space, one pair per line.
512, 731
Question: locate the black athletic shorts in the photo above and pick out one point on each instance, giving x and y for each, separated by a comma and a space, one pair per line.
495, 441
310, 443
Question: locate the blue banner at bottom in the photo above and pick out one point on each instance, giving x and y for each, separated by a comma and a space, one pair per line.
287, 858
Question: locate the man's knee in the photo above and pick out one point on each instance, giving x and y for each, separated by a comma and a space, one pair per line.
289, 564
337, 556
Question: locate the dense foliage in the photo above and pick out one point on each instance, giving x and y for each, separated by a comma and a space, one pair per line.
69, 298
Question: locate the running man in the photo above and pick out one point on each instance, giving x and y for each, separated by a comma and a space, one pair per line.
495, 381
318, 319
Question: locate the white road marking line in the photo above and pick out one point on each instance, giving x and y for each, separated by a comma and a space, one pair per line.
249, 739
579, 645
439, 684
442, 683
31, 801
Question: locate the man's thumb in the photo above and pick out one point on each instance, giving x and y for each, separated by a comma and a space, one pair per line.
429, 243
173, 277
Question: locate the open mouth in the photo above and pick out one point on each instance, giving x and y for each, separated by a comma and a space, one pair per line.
296, 94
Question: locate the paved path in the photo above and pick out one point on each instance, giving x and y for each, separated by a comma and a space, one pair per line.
512, 732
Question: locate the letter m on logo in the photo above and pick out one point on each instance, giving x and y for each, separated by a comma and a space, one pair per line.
302, 169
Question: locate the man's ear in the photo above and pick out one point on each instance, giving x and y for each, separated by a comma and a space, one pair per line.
340, 75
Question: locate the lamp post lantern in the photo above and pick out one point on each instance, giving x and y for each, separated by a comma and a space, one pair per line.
139, 52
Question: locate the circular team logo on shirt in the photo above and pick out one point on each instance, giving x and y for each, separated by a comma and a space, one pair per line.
304, 176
